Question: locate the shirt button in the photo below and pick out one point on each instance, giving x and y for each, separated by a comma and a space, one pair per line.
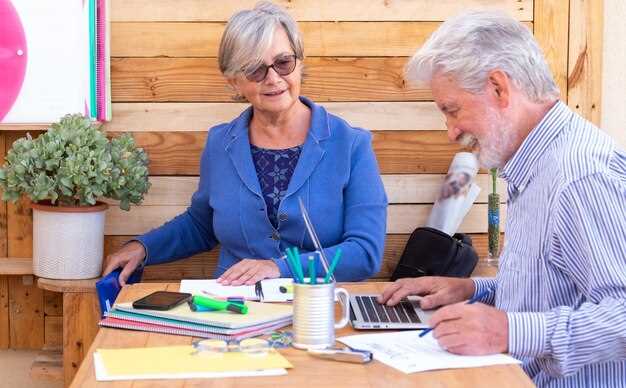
275, 236
282, 217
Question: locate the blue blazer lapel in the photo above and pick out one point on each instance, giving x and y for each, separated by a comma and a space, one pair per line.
314, 148
238, 150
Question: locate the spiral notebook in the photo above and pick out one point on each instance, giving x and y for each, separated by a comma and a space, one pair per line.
178, 329
258, 314
128, 316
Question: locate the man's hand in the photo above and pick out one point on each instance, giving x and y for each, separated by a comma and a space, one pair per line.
471, 329
249, 271
436, 291
128, 257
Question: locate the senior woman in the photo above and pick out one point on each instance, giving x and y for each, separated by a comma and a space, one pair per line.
255, 168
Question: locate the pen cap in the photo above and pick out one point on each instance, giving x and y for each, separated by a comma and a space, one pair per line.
237, 308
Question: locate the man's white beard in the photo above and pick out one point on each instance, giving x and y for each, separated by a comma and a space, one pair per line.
492, 149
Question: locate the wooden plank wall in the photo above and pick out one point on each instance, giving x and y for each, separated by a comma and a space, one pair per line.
166, 90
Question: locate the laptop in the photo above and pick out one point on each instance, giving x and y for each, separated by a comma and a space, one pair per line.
367, 313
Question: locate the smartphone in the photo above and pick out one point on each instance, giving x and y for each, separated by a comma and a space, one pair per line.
162, 300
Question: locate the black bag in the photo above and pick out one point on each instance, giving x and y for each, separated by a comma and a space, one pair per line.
431, 252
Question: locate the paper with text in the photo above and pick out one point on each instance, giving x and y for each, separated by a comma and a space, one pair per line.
409, 353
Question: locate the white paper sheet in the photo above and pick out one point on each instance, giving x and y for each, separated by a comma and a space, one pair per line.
271, 291
409, 353
101, 373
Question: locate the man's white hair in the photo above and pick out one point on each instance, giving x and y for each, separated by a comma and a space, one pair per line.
469, 46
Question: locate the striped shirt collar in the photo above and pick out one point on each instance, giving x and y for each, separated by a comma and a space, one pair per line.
518, 170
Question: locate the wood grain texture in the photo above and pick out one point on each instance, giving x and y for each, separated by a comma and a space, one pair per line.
306, 369
400, 189
199, 80
52, 303
551, 29
16, 266
190, 116
585, 58
26, 310
186, 117
313, 10
80, 326
321, 39
398, 152
400, 218
85, 286
48, 366
19, 216
25, 313
53, 331
23, 128
4, 313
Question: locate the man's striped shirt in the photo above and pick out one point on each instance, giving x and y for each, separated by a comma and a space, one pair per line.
562, 275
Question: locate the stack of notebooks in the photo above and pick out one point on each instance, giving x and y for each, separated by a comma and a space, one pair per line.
262, 318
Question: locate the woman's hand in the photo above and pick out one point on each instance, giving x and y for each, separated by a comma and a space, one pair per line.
128, 257
249, 271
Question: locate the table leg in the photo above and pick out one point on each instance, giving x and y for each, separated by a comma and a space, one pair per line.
80, 326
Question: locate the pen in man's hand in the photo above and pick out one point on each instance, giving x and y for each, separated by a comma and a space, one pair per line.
473, 300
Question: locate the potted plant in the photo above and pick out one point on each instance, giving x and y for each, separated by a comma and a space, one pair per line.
64, 172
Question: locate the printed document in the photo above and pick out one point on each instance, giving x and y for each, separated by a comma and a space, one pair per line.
409, 353
270, 287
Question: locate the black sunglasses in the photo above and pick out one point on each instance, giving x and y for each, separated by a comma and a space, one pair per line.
284, 65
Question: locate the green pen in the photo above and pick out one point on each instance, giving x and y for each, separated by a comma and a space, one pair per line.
217, 304
312, 271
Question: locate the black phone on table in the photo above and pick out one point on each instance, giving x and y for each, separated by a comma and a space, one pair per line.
162, 300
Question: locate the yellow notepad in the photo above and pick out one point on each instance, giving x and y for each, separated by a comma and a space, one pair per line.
180, 360
258, 313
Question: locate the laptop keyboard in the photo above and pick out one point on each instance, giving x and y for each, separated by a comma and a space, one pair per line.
373, 311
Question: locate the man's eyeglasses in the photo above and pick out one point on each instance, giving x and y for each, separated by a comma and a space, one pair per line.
284, 65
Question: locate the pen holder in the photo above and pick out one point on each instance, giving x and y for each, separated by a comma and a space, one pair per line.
314, 314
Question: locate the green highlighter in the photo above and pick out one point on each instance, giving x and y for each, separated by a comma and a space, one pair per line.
217, 304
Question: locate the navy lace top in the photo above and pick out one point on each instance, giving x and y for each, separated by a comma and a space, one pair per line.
274, 169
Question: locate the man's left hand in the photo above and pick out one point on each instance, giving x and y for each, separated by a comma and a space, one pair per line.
475, 329
249, 271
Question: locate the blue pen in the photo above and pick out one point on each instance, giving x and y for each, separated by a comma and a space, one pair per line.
471, 301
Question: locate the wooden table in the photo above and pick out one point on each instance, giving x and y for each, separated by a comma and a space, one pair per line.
307, 371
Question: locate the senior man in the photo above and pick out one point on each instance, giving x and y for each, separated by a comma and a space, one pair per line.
559, 299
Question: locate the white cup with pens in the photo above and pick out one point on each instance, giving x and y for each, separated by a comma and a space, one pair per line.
314, 304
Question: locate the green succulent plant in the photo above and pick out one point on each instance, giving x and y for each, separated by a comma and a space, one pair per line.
73, 164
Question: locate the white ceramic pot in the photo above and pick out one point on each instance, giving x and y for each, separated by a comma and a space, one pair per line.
68, 242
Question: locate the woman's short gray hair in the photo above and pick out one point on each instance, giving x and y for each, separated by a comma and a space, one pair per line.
248, 35
472, 44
